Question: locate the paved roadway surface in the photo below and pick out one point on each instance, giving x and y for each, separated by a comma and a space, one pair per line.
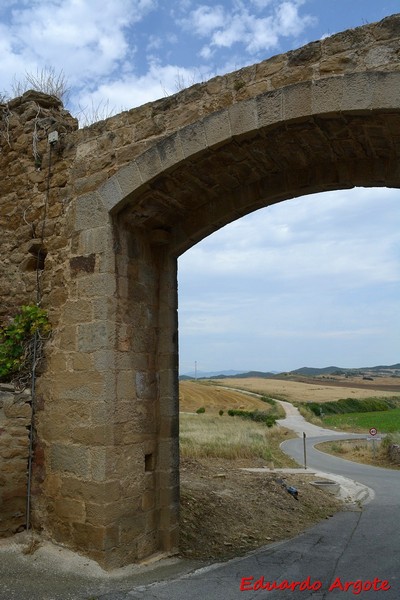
352, 545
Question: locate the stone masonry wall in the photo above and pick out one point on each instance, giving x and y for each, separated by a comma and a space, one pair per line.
15, 420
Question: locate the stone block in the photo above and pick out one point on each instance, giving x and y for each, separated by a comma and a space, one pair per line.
243, 117
385, 92
148, 500
97, 284
70, 510
17, 410
357, 92
94, 435
99, 464
91, 491
108, 513
77, 311
86, 536
170, 150
78, 361
327, 95
95, 240
169, 539
217, 128
149, 164
297, 101
68, 337
71, 459
193, 139
107, 359
270, 108
90, 212
111, 193
96, 336
129, 179
126, 387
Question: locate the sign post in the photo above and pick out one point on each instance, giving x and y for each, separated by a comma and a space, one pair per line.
304, 449
373, 431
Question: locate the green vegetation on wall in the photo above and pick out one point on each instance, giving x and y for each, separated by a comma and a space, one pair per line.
16, 339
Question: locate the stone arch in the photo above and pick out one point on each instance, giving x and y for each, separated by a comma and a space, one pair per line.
111, 488
313, 136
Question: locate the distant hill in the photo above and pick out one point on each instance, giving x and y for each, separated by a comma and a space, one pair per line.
393, 370
226, 374
259, 374
314, 371
209, 374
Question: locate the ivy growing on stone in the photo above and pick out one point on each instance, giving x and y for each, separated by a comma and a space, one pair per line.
17, 340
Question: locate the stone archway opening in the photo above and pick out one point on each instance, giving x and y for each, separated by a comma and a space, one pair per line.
266, 289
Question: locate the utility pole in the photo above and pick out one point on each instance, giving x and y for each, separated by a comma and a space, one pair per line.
195, 369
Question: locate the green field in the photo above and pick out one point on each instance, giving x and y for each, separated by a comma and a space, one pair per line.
385, 422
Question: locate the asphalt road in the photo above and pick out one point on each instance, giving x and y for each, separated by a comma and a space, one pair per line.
353, 546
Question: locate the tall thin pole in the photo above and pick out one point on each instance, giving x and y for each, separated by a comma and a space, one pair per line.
195, 369
304, 449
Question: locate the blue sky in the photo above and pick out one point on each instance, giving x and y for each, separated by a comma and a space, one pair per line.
313, 281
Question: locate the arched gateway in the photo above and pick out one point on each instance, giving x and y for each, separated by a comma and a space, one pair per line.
139, 190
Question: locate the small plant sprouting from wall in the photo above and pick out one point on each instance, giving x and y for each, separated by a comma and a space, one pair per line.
21, 343
238, 85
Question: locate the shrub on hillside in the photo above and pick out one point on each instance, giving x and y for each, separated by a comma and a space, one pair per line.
352, 405
253, 415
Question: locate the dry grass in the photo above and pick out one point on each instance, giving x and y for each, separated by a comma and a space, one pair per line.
194, 395
294, 391
361, 451
232, 438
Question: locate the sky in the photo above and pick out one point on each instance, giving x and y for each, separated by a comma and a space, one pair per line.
312, 281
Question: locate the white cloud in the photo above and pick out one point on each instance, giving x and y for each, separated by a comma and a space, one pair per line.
341, 238
74, 36
239, 25
205, 19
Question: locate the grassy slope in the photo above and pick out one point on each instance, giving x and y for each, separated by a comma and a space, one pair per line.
233, 438
385, 422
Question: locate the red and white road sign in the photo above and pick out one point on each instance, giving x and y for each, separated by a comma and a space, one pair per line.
373, 431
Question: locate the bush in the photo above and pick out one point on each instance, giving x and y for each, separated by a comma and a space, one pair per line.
16, 339
352, 405
221, 412
201, 410
254, 415
268, 400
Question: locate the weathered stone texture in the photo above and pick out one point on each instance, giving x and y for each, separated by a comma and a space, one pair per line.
126, 197
15, 420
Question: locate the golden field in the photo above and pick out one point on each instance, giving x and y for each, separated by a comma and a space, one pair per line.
194, 395
294, 391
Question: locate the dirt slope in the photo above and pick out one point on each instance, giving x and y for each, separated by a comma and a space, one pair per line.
226, 512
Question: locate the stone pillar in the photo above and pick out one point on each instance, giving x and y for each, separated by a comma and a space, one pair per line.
107, 413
